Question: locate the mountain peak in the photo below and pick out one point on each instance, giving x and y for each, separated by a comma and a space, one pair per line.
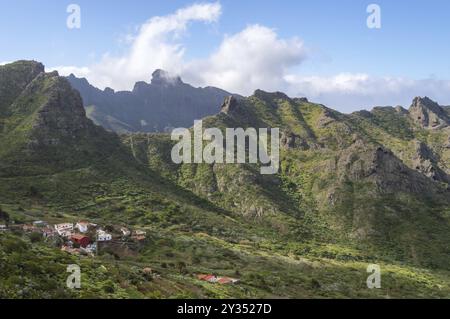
161, 77
263, 95
428, 113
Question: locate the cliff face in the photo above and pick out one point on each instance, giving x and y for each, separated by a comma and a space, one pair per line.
428, 113
44, 125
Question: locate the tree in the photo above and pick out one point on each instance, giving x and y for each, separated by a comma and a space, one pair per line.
4, 216
35, 237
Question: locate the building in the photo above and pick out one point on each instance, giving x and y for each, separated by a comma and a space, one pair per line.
48, 232
139, 235
103, 236
65, 233
226, 280
125, 231
80, 239
83, 227
208, 278
91, 248
219, 280
64, 228
40, 223
3, 227
29, 228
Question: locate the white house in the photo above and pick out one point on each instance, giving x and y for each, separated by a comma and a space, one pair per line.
83, 227
64, 228
65, 233
103, 236
125, 231
2, 227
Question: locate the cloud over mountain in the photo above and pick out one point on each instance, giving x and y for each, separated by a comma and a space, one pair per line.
350, 92
253, 58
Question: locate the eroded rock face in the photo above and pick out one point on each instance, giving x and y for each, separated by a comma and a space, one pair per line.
363, 161
289, 140
425, 162
428, 114
229, 105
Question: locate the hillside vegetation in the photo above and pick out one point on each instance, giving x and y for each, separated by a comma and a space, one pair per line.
352, 190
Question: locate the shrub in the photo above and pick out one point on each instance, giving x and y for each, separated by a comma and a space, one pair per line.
35, 237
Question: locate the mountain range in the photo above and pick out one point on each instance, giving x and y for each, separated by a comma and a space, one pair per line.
371, 187
164, 103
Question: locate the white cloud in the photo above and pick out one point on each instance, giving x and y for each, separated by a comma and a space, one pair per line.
350, 92
253, 58
154, 46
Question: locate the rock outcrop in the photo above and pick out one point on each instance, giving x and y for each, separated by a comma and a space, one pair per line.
428, 114
425, 162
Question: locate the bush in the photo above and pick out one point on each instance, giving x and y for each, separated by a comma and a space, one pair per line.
13, 245
4, 215
35, 237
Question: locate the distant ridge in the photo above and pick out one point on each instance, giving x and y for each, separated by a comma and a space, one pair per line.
157, 106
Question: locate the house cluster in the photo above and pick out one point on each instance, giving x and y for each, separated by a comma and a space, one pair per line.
216, 279
82, 237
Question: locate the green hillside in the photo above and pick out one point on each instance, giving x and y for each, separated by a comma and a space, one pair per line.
352, 190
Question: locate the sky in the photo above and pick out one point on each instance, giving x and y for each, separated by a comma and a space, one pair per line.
322, 49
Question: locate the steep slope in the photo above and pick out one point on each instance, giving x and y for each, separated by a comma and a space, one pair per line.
338, 181
46, 129
420, 145
428, 113
150, 107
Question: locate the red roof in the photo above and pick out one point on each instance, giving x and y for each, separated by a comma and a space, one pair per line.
78, 237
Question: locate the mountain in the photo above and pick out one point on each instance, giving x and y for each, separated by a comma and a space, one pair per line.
163, 103
377, 177
44, 128
352, 190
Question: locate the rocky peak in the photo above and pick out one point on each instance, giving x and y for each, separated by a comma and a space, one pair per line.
267, 96
109, 91
428, 113
14, 78
161, 77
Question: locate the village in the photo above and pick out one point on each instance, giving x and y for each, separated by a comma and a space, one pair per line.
81, 238
84, 239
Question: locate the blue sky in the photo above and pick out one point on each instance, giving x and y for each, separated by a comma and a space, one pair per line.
412, 45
